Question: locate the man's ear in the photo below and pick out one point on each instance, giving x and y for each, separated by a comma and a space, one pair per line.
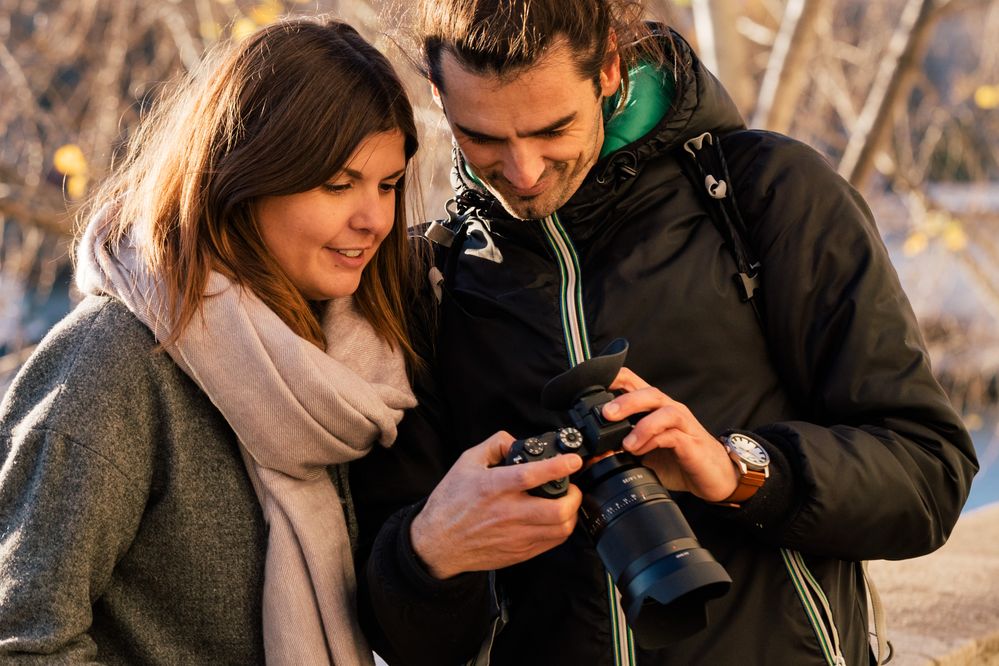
436, 92
610, 71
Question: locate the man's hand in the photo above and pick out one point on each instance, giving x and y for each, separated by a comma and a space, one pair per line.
672, 441
480, 517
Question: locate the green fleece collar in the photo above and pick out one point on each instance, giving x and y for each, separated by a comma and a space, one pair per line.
650, 94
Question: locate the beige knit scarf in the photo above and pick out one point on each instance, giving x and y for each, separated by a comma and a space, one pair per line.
296, 410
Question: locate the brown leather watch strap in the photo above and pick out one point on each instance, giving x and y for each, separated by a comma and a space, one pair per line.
749, 483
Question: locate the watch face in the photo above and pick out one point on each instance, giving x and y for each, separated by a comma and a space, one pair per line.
747, 449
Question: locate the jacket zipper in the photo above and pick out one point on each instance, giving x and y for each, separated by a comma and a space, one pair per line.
571, 294
578, 347
484, 657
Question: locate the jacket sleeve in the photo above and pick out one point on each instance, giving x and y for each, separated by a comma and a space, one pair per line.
409, 616
66, 516
881, 462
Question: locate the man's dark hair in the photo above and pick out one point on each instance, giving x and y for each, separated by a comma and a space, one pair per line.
501, 37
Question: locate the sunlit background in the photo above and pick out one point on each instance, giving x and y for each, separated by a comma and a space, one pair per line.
902, 95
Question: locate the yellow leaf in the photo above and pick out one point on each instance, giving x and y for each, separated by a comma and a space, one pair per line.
987, 97
210, 30
915, 243
936, 223
265, 13
954, 237
69, 160
76, 186
243, 28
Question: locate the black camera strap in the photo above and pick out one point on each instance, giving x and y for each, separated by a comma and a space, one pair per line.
708, 171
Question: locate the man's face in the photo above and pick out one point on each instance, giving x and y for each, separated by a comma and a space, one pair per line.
530, 138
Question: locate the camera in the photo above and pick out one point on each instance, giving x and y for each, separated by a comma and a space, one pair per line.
663, 574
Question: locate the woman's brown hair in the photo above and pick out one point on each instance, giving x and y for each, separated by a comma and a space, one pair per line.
279, 113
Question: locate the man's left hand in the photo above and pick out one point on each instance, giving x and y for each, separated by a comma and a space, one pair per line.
673, 442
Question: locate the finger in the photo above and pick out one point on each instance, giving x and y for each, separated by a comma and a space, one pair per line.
530, 544
627, 380
533, 474
657, 422
640, 400
492, 451
550, 534
559, 511
665, 440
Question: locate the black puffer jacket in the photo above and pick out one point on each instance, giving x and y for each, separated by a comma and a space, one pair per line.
869, 459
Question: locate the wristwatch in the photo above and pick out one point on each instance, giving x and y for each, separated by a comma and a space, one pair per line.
753, 463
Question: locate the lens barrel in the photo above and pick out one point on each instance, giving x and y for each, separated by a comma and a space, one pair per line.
665, 577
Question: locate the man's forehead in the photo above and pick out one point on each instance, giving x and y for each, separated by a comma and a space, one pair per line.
558, 57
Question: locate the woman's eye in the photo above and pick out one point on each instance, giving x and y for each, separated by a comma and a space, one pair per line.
337, 187
391, 187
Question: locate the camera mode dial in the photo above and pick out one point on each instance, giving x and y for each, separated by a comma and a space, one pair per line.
534, 446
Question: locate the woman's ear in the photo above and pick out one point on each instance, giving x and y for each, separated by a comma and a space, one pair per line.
436, 92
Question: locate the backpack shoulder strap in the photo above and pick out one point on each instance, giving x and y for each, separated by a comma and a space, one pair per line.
446, 238
704, 163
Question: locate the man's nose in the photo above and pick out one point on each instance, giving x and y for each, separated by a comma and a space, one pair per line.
523, 166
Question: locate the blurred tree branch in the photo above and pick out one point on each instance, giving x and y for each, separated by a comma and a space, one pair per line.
787, 68
904, 56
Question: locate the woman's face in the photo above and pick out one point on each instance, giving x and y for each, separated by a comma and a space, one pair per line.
323, 238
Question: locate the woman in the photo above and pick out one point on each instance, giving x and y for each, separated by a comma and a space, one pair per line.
183, 507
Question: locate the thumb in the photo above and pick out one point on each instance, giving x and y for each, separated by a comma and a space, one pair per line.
492, 451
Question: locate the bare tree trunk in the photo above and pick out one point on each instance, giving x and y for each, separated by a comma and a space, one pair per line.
722, 48
785, 77
889, 91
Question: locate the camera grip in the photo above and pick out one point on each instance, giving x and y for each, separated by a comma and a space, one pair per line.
542, 447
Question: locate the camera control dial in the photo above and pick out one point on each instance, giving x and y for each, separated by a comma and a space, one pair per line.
534, 446
569, 439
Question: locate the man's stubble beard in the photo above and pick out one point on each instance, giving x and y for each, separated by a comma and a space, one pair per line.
546, 203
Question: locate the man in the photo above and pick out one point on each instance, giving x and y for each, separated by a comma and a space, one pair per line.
579, 227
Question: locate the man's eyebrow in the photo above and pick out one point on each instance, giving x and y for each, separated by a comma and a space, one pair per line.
558, 124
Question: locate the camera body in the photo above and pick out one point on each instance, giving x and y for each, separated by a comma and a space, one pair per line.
663, 574
590, 435
540, 447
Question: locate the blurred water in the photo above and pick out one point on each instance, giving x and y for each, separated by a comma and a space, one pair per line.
985, 487
11, 297
26, 316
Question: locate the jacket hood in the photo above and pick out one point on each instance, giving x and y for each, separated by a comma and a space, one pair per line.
699, 104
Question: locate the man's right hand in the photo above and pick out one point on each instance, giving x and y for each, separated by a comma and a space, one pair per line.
480, 517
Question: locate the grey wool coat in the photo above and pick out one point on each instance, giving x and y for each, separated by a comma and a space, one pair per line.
129, 530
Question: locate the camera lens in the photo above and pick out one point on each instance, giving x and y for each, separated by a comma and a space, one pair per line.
665, 577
